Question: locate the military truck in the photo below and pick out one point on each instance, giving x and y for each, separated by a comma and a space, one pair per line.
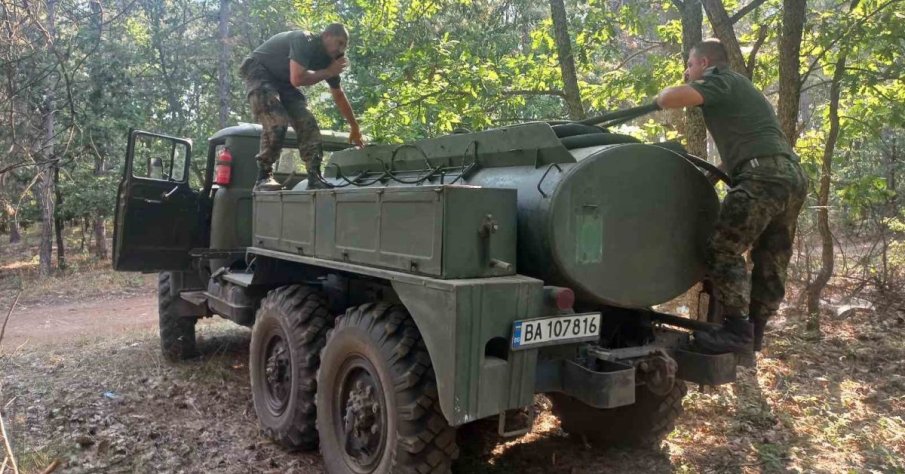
435, 283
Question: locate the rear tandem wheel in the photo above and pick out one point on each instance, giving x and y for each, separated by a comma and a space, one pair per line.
377, 405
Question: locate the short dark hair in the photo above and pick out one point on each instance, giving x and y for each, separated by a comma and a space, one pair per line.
337, 29
713, 50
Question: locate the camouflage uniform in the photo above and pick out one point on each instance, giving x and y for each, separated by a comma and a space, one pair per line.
760, 212
275, 106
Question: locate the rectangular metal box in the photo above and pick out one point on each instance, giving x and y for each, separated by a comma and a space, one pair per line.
444, 231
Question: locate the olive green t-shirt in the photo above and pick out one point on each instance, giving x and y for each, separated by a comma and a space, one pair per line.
302, 47
739, 118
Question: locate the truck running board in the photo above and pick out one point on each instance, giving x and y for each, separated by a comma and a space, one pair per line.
197, 298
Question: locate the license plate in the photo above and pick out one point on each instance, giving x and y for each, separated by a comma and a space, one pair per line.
531, 333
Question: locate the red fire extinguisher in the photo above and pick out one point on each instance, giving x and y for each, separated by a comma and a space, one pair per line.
223, 171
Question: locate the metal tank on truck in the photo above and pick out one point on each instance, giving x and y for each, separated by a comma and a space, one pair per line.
435, 283
619, 222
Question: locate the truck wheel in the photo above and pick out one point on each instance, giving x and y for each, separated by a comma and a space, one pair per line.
288, 335
177, 333
377, 406
645, 423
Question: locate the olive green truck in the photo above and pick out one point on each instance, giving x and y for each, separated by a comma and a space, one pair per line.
434, 284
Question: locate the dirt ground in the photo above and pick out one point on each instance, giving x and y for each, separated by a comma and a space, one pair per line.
83, 383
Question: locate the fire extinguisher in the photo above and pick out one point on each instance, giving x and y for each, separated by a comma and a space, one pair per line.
223, 171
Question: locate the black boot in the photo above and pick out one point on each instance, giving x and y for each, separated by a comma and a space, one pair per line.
758, 315
736, 335
316, 181
266, 181
758, 324
315, 178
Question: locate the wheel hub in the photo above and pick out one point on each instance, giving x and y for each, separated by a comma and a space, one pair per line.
278, 374
362, 419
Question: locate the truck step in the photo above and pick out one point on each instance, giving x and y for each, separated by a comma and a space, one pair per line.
241, 279
197, 298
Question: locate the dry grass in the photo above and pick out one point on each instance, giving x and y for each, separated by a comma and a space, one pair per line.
85, 276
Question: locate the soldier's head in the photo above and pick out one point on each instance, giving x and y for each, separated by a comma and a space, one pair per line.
336, 39
703, 55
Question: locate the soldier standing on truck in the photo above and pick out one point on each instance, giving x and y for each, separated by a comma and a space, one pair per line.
273, 73
760, 210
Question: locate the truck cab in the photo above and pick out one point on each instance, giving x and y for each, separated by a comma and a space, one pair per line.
168, 203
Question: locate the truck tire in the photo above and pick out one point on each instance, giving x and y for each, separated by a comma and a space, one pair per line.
644, 424
289, 333
377, 405
177, 333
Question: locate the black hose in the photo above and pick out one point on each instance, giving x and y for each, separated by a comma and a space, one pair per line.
572, 129
621, 116
596, 139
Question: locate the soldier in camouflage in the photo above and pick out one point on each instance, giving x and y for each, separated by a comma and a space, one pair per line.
760, 210
273, 73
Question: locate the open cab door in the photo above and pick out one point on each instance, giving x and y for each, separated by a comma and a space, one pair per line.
157, 212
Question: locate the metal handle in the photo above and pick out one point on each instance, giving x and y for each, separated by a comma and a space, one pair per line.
166, 196
542, 178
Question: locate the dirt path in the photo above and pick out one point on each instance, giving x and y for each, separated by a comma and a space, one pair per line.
97, 317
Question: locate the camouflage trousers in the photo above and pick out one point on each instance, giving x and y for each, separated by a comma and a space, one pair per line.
276, 106
760, 212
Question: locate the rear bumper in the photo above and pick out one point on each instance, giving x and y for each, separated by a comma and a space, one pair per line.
611, 383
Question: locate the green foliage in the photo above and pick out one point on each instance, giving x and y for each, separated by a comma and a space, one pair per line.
423, 68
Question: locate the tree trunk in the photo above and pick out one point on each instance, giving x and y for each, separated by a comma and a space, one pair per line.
100, 238
45, 200
46, 186
793, 17
722, 28
12, 222
58, 221
566, 59
223, 71
14, 236
692, 24
100, 158
83, 227
891, 163
815, 288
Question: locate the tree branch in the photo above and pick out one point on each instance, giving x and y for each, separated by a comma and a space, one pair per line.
842, 36
745, 10
553, 92
752, 56
636, 54
3, 331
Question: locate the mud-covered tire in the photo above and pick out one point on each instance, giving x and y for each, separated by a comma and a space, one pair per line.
643, 424
375, 356
289, 332
177, 333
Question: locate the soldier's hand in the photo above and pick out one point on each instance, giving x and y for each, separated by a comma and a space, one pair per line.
355, 138
338, 66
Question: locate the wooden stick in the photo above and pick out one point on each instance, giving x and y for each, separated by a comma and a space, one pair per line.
8, 313
52, 467
9, 448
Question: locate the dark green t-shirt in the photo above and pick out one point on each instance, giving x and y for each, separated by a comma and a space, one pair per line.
739, 118
302, 47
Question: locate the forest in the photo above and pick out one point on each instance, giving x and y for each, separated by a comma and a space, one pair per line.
78, 75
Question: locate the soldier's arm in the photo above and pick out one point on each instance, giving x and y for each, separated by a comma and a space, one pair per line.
345, 109
678, 97
299, 75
